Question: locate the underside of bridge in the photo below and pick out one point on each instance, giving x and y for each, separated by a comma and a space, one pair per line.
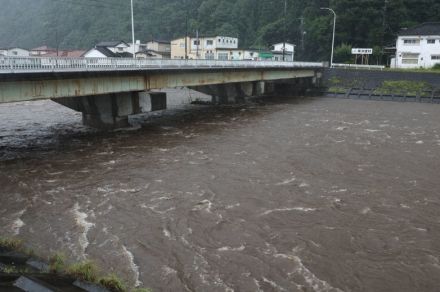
107, 99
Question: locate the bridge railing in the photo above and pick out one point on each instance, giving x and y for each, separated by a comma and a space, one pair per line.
57, 64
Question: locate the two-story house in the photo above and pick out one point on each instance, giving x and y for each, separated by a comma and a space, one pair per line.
418, 47
210, 48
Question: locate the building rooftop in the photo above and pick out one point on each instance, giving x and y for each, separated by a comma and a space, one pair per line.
106, 52
111, 44
43, 48
427, 28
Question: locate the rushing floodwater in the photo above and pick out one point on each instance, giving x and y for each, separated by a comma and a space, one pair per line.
282, 195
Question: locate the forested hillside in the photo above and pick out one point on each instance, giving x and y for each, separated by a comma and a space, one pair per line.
258, 23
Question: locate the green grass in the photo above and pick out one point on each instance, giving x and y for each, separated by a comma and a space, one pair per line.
11, 243
142, 290
57, 263
86, 271
415, 70
113, 283
403, 87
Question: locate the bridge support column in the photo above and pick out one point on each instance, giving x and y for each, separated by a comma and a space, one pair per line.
111, 111
231, 92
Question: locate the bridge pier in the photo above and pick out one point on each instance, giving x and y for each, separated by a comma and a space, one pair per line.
111, 111
231, 92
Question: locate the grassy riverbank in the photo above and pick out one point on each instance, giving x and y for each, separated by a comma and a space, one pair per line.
58, 266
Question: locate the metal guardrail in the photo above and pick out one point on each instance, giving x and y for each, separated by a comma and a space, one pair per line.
355, 66
51, 64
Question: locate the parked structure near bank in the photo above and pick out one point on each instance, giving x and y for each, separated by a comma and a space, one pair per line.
418, 47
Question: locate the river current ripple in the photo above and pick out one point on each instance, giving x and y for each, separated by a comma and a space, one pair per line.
311, 194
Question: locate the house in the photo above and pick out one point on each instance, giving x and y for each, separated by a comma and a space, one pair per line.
115, 46
209, 48
151, 54
287, 48
418, 47
104, 52
14, 52
138, 47
161, 47
43, 50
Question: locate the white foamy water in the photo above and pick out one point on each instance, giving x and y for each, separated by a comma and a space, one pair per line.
228, 248
132, 265
80, 220
287, 181
300, 209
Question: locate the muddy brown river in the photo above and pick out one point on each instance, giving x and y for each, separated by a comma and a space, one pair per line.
314, 194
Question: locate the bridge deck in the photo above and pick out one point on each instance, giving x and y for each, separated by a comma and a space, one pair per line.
34, 78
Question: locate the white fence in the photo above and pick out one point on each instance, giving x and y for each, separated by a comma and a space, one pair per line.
355, 66
42, 64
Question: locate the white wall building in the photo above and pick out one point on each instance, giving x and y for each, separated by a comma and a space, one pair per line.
289, 52
14, 52
418, 47
202, 47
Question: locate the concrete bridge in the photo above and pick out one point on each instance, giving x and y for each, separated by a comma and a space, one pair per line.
108, 90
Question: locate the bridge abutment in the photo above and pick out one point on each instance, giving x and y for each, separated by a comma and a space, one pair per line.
111, 111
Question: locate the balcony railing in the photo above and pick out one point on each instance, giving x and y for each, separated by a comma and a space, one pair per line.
52, 64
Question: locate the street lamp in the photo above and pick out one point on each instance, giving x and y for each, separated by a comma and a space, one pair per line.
285, 30
334, 30
132, 30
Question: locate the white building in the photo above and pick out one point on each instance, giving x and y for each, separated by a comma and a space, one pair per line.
14, 52
418, 47
138, 47
287, 48
202, 47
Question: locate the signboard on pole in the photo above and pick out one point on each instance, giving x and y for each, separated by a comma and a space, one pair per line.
361, 51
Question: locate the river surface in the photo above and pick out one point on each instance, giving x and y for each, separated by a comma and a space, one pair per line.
315, 194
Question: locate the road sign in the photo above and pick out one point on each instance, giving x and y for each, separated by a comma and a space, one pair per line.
360, 51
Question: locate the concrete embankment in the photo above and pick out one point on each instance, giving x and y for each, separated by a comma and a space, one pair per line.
382, 85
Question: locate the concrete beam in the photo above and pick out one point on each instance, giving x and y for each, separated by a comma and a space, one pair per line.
60, 86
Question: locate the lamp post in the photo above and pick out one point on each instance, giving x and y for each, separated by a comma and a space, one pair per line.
132, 30
334, 30
285, 30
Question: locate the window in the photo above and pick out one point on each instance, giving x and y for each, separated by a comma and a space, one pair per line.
120, 49
209, 42
209, 56
431, 42
435, 57
410, 58
196, 42
411, 42
15, 53
223, 56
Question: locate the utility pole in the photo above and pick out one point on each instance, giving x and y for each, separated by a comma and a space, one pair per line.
334, 31
303, 33
285, 30
132, 30
186, 30
198, 43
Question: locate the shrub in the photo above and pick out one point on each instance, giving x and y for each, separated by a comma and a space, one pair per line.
86, 271
112, 283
